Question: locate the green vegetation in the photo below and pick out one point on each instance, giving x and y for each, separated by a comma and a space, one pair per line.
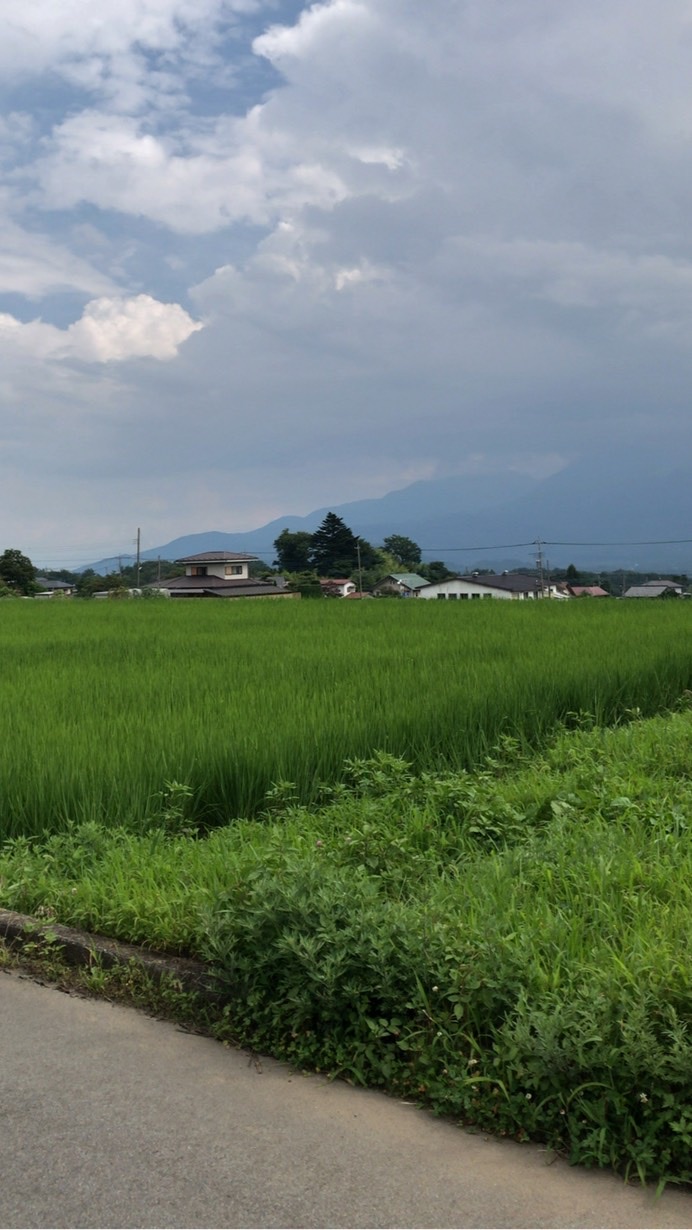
490, 914
103, 704
509, 946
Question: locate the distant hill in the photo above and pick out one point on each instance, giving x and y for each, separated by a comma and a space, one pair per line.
474, 522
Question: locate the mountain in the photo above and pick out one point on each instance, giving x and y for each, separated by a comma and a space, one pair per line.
586, 515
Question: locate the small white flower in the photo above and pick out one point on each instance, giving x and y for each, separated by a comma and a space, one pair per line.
528, 1096
436, 988
643, 1097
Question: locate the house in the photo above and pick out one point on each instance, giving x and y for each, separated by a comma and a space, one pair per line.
655, 589
588, 591
507, 585
48, 588
336, 587
403, 584
220, 574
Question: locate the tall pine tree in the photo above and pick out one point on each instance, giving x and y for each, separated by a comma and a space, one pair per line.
334, 548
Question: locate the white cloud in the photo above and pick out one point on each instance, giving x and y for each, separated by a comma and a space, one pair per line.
114, 329
109, 330
44, 35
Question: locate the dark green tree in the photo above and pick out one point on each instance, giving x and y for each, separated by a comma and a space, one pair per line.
435, 571
334, 550
18, 572
406, 552
293, 551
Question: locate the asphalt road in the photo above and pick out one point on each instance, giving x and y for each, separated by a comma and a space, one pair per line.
109, 1118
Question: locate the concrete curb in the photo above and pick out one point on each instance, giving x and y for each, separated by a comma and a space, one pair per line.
83, 948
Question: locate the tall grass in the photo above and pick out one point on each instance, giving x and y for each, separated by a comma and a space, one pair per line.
509, 946
102, 705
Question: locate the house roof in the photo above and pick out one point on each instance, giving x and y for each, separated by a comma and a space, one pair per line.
652, 589
216, 557
225, 587
46, 583
410, 579
593, 591
516, 582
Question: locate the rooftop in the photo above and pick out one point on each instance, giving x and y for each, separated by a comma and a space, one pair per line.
217, 557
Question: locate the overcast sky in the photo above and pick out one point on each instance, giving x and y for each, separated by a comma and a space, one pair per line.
258, 257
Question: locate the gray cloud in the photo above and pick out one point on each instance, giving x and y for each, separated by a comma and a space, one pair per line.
447, 235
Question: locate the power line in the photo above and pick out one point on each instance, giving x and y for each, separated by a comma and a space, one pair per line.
505, 546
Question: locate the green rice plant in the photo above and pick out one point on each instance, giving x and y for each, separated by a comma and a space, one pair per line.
105, 703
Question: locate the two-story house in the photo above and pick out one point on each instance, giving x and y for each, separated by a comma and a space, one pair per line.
221, 574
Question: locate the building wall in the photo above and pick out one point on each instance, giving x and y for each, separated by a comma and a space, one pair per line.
220, 570
460, 588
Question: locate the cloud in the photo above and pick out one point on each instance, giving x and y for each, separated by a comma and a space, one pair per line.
417, 234
44, 36
109, 330
33, 265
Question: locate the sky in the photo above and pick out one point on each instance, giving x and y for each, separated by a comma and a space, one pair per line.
259, 257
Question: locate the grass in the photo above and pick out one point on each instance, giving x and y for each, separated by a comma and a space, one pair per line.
490, 914
509, 946
105, 705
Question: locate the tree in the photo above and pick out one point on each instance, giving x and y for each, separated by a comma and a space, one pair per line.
435, 571
18, 572
406, 552
334, 550
293, 551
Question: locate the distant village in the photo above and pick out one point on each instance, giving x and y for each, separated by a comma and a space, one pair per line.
331, 563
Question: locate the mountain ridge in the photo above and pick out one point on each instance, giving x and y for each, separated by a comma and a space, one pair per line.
586, 514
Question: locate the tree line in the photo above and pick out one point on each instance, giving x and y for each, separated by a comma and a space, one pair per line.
333, 550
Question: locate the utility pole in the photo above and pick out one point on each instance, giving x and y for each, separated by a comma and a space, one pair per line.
360, 570
539, 563
158, 570
139, 562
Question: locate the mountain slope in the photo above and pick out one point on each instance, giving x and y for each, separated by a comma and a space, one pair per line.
469, 522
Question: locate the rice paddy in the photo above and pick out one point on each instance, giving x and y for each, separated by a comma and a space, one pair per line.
104, 705
425, 846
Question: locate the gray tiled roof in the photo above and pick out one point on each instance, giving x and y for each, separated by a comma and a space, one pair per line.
213, 583
219, 587
516, 582
216, 557
650, 590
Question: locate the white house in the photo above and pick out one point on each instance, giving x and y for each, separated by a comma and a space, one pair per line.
404, 584
337, 587
507, 585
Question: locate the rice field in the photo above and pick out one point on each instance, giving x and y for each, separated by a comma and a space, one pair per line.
104, 704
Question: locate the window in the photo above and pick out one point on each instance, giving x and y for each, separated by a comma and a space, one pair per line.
198, 570
234, 570
452, 595
477, 595
443, 596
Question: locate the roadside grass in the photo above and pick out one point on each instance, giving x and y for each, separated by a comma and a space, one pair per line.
509, 946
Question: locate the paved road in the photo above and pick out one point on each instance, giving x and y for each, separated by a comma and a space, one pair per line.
109, 1118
